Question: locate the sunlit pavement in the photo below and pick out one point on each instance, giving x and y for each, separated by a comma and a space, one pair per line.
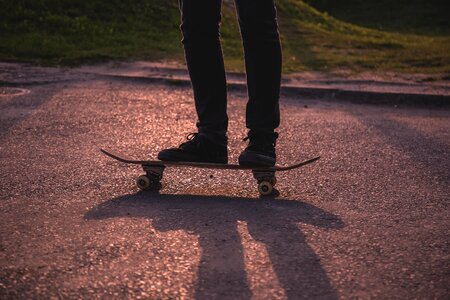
369, 220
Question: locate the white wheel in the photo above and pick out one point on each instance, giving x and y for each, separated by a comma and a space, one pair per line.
143, 182
265, 188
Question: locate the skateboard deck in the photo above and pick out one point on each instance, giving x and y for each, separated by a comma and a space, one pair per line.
154, 169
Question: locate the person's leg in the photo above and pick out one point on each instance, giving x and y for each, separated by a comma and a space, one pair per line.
200, 21
259, 30
203, 52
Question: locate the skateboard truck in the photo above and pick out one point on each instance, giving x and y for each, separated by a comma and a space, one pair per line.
266, 181
152, 177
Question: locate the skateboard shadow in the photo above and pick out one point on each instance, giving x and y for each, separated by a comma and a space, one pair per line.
222, 272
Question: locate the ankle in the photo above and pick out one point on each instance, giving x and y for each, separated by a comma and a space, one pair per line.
215, 138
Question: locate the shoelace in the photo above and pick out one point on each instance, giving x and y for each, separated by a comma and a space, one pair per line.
191, 136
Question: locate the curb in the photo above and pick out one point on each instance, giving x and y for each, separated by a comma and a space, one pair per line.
368, 97
353, 96
322, 93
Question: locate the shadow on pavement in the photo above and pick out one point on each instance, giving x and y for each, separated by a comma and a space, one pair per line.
422, 149
222, 271
16, 109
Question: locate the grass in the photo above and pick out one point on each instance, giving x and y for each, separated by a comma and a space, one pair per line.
323, 42
318, 35
75, 31
427, 17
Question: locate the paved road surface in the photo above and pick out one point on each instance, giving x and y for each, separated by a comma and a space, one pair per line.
369, 220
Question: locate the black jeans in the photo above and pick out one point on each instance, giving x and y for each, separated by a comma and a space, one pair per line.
201, 39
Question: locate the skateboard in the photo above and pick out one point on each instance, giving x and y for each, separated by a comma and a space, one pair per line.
154, 169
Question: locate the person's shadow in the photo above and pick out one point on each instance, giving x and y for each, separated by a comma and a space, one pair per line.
215, 219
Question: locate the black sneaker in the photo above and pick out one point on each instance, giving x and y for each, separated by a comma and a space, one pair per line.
260, 151
198, 148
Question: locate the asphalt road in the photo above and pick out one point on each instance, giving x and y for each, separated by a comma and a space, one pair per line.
368, 220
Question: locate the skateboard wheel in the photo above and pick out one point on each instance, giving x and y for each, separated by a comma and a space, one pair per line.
265, 188
143, 182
